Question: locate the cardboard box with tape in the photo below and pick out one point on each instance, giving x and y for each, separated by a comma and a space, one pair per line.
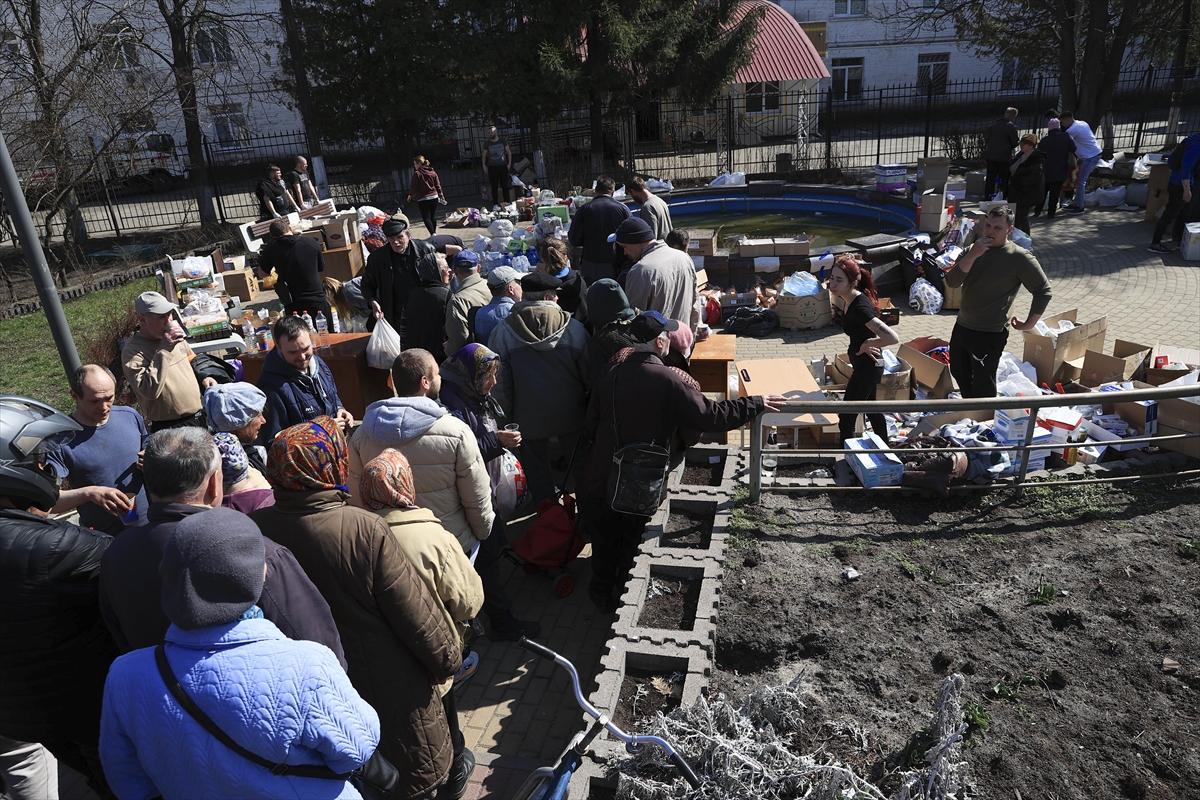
928, 372
894, 386
1127, 362
1060, 359
805, 312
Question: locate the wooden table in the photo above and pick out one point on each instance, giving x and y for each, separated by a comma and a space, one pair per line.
357, 384
710, 362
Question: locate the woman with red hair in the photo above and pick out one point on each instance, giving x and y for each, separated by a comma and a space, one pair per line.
859, 318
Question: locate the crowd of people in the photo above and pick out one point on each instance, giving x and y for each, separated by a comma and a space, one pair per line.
251, 565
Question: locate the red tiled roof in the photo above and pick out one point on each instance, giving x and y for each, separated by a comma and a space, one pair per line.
782, 51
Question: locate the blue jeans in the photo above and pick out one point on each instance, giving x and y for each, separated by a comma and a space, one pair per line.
1086, 166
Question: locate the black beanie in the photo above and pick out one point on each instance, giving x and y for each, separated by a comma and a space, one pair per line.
212, 568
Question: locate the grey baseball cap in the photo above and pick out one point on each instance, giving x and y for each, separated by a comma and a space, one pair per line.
502, 276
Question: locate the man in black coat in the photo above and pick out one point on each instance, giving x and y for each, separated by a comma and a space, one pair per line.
652, 402
593, 223
999, 142
392, 272
183, 477
54, 648
299, 261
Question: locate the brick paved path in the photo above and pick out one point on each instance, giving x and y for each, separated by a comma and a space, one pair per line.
517, 711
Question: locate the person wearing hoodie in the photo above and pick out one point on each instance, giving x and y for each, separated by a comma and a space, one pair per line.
471, 295
387, 489
545, 374
397, 642
425, 189
299, 261
285, 701
451, 478
468, 377
297, 382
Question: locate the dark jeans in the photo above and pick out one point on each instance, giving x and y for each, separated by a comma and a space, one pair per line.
996, 169
196, 420
498, 175
450, 706
1050, 200
429, 214
84, 759
974, 357
861, 386
1175, 209
615, 539
1021, 221
487, 565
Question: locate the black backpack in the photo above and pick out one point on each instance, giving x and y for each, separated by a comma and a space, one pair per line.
1176, 159
747, 321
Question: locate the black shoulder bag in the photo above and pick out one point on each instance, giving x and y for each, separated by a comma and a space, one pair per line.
637, 479
375, 780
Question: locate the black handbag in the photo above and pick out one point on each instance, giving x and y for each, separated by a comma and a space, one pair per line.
375, 780
637, 479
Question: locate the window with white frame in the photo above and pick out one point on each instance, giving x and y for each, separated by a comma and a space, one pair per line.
1015, 76
847, 76
849, 8
762, 96
230, 124
933, 71
119, 44
10, 47
212, 44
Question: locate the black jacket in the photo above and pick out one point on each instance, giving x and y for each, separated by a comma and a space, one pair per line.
1026, 187
1000, 139
54, 648
653, 402
425, 320
1057, 145
384, 268
592, 224
131, 589
298, 260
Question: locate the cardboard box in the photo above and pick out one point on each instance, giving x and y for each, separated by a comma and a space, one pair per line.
1190, 246
932, 173
956, 190
562, 212
241, 283
791, 377
1037, 458
1128, 362
1049, 357
888, 313
894, 386
316, 234
1011, 424
765, 265
752, 248
343, 263
873, 469
928, 372
702, 242
806, 312
1141, 415
792, 246
933, 423
1175, 416
336, 234
520, 166
933, 212
736, 299
233, 262
528, 176
1157, 376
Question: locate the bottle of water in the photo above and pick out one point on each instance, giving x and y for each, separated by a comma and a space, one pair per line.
322, 330
248, 335
337, 323
308, 320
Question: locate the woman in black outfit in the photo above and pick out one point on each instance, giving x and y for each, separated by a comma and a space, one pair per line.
1026, 186
425, 314
859, 318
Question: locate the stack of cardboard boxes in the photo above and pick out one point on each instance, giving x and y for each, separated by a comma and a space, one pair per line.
932, 176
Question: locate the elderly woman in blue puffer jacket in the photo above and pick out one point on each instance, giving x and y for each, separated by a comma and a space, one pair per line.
289, 702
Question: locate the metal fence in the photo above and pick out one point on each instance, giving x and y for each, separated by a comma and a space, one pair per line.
988, 405
822, 134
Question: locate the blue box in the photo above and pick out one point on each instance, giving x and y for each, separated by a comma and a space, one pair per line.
873, 469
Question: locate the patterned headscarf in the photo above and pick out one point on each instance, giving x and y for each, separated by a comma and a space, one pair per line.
309, 456
467, 368
235, 466
387, 482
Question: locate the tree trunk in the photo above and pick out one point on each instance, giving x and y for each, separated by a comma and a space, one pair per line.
596, 118
178, 23
1066, 55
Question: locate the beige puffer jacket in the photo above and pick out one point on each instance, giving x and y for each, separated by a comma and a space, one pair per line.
449, 473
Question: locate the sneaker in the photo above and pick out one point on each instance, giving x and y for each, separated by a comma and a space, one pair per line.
602, 599
1159, 247
470, 665
460, 773
1073, 210
509, 628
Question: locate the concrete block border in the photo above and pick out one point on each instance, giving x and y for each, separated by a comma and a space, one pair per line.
703, 455
645, 569
653, 540
692, 661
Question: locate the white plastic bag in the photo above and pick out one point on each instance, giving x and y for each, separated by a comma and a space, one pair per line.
924, 298
500, 227
1110, 198
1021, 239
510, 486
481, 243
799, 284
384, 346
1009, 366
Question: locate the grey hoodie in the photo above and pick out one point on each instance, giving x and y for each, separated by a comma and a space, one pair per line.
544, 369
401, 419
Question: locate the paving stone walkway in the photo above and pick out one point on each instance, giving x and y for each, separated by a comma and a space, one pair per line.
517, 712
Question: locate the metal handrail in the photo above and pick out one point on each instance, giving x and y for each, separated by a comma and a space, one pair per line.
1033, 403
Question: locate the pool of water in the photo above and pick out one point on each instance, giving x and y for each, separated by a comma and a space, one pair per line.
823, 229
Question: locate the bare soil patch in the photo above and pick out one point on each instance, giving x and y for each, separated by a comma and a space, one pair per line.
703, 474
644, 693
1074, 615
673, 604
689, 529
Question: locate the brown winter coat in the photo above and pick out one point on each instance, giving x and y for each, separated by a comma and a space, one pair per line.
396, 638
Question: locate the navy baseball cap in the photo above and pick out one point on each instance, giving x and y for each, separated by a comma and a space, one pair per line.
649, 325
466, 257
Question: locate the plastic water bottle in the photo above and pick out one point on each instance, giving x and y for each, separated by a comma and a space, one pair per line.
337, 323
322, 330
248, 335
308, 320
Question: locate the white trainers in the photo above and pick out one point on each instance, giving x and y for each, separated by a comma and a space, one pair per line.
470, 665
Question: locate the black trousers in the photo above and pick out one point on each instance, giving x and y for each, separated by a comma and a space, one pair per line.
498, 175
450, 706
1021, 222
1050, 200
974, 357
862, 385
615, 539
1177, 210
84, 759
996, 169
487, 564
429, 214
